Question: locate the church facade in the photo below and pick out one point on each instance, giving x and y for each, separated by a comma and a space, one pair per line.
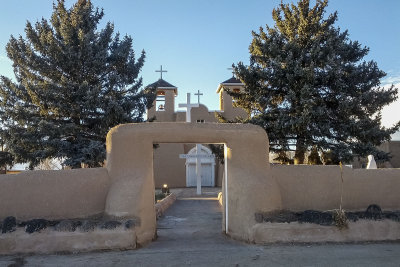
169, 168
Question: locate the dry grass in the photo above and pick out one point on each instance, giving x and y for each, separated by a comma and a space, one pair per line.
339, 216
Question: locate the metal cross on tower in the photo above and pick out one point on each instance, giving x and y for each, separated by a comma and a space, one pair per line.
198, 96
233, 73
161, 71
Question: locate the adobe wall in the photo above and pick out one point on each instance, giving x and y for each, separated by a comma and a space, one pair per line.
54, 194
305, 187
395, 152
229, 111
168, 167
125, 189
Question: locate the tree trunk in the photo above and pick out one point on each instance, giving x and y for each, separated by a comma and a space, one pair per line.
299, 154
5, 166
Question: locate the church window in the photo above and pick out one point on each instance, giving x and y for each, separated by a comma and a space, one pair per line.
160, 101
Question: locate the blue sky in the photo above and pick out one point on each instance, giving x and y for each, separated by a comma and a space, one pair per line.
196, 41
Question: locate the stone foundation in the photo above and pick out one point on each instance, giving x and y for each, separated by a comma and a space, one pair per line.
362, 230
50, 241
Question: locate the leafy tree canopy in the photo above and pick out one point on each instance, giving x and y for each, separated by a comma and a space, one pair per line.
73, 83
308, 86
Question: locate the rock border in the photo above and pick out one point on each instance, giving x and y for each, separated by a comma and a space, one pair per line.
373, 212
77, 235
314, 226
164, 204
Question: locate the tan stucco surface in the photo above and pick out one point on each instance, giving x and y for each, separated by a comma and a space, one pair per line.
168, 167
50, 241
362, 230
392, 147
305, 187
130, 164
54, 194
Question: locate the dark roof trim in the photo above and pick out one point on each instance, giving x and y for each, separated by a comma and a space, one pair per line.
161, 84
232, 80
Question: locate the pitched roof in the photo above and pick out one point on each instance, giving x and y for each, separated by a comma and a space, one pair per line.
232, 80
161, 84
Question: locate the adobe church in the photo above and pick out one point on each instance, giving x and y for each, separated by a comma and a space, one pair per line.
169, 168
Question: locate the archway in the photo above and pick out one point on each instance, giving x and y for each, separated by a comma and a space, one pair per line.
248, 187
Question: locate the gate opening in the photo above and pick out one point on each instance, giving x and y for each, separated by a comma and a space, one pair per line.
175, 166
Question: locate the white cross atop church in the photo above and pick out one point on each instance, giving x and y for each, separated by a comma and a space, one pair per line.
188, 107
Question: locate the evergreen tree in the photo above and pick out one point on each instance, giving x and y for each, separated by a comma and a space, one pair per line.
73, 83
5, 157
330, 158
307, 85
314, 158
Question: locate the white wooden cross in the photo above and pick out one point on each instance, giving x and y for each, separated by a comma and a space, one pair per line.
198, 96
198, 158
188, 107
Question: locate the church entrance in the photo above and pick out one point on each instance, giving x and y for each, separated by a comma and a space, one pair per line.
207, 167
175, 165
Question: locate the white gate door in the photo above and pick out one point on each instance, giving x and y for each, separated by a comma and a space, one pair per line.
206, 175
207, 168
191, 175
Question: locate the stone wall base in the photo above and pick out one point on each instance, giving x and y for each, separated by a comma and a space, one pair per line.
362, 230
50, 241
162, 206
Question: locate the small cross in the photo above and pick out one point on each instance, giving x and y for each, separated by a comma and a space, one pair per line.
198, 96
233, 72
161, 70
188, 107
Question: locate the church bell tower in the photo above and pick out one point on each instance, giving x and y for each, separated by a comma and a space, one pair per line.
164, 105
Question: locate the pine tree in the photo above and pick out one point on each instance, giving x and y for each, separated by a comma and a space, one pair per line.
307, 85
313, 157
73, 83
5, 157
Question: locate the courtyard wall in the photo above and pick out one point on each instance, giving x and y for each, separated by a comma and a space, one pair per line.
305, 187
79, 193
125, 189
